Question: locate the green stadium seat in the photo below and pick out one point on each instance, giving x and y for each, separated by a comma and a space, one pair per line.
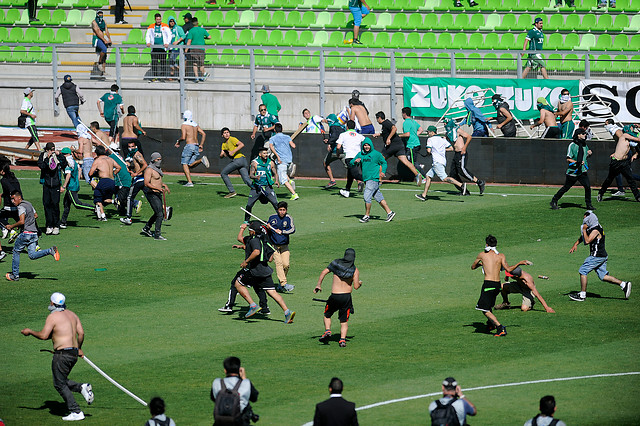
12, 16
461, 22
203, 19
321, 38
302, 58
364, 61
216, 36
410, 61
2, 18
525, 22
294, 19
339, 20
491, 41
508, 41
414, 41
225, 56
446, 21
400, 21
460, 41
306, 38
398, 40
50, 3
382, 40
556, 22
148, 21
604, 42
308, 4
263, 19
429, 40
424, 5
323, 19
572, 23
231, 18
211, 56
367, 39
588, 21
571, 41
15, 35
490, 62
633, 27
4, 35
338, 4
34, 54
31, 35
276, 38
42, 18
587, 42
131, 56
277, 19
229, 36
620, 42
492, 22
260, 58
520, 39
600, 64
5, 53
445, 41
349, 60
331, 59
634, 43
508, 62
242, 57
271, 58
461, 62
619, 23
291, 38
384, 19
145, 57
322, 4
415, 21
605, 23
381, 61
308, 18
245, 38
553, 61
573, 63
476, 21
427, 61
430, 21
74, 18
525, 5
336, 39
619, 63
509, 22
47, 36
261, 37
288, 58
443, 62
19, 54
476, 41
474, 61
247, 18
57, 17
554, 42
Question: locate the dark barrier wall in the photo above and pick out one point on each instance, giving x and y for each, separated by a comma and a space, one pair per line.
500, 160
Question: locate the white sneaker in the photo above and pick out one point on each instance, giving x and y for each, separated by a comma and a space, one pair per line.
344, 193
618, 194
87, 392
626, 287
3, 254
189, 184
55, 231
48, 231
74, 416
125, 220
205, 161
5, 232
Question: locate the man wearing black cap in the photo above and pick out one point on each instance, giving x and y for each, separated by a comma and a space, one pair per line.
577, 155
187, 22
346, 277
535, 38
451, 395
71, 98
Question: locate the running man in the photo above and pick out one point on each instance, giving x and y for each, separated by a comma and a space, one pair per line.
335, 130
264, 175
349, 143
258, 272
70, 187
231, 148
461, 140
524, 285
412, 130
103, 191
393, 145
130, 129
548, 117
374, 167
621, 163
592, 233
111, 111
437, 147
136, 165
154, 189
65, 330
360, 114
28, 237
504, 117
280, 228
281, 144
565, 115
26, 109
192, 148
577, 155
346, 277
492, 262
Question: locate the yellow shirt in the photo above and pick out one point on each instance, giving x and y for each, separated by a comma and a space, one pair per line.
230, 145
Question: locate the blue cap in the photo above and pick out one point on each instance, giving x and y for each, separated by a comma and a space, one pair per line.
537, 20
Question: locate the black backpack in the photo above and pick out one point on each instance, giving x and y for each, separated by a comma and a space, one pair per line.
166, 422
534, 421
227, 409
445, 414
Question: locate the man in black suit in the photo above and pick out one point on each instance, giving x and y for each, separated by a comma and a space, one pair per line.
335, 411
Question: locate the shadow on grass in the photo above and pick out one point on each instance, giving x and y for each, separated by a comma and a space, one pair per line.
335, 338
589, 295
32, 276
239, 195
439, 198
56, 408
359, 216
574, 205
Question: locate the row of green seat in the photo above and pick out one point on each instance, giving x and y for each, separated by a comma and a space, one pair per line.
34, 35
59, 3
413, 21
414, 40
26, 55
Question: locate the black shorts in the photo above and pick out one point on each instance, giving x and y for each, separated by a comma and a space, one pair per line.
488, 294
246, 279
341, 303
393, 149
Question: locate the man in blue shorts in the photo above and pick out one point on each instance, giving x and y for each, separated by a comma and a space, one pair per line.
104, 188
101, 40
192, 151
358, 8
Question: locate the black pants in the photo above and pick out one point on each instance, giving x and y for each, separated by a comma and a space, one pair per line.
121, 198
113, 127
51, 204
158, 62
233, 292
119, 11
155, 201
32, 5
570, 181
61, 365
459, 167
616, 168
413, 154
71, 198
131, 196
265, 194
353, 173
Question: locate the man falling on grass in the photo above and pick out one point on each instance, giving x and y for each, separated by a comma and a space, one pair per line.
346, 277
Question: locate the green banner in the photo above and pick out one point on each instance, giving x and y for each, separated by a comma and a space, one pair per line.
431, 97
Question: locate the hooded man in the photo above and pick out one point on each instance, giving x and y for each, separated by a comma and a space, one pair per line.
154, 188
72, 97
577, 155
346, 277
476, 119
177, 37
504, 117
374, 167
159, 35
192, 148
70, 187
591, 233
335, 130
548, 117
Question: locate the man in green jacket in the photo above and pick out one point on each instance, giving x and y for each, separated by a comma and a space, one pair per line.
374, 167
577, 167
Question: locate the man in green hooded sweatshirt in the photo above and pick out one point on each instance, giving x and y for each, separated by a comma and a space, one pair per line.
374, 167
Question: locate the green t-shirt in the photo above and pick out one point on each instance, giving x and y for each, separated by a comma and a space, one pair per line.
572, 152
197, 36
123, 178
355, 3
263, 171
111, 101
72, 170
410, 125
157, 35
103, 26
536, 38
272, 103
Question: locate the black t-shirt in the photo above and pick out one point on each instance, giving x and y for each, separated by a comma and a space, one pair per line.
259, 266
9, 184
387, 126
596, 247
510, 127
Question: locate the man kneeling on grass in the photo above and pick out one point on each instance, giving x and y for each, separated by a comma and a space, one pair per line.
374, 167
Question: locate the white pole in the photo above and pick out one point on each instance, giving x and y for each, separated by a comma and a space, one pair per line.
118, 385
254, 216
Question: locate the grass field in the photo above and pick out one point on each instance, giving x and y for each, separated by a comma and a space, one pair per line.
151, 318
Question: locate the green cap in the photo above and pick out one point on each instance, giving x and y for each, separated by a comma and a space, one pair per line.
433, 129
66, 150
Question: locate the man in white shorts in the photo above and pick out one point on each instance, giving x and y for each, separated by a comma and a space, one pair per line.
437, 147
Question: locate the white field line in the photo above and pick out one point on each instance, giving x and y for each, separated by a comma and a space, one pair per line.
503, 385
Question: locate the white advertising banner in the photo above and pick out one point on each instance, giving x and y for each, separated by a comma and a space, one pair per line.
624, 97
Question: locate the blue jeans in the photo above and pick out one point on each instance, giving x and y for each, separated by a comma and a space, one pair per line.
73, 114
29, 241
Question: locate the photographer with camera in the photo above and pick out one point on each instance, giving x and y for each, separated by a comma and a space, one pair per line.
452, 406
232, 394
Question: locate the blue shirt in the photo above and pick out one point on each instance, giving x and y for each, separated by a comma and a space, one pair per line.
285, 224
280, 143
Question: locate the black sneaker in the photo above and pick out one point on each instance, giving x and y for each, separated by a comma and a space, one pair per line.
458, 3
576, 297
360, 186
421, 197
554, 205
265, 311
481, 185
626, 287
325, 336
502, 331
599, 197
147, 232
590, 207
356, 41
342, 343
472, 3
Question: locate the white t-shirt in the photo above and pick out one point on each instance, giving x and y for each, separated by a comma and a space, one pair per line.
612, 128
314, 124
28, 106
438, 146
351, 143
544, 421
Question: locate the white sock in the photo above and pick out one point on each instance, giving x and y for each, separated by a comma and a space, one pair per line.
583, 294
622, 284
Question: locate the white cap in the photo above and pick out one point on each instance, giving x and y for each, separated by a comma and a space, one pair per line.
58, 299
114, 147
27, 91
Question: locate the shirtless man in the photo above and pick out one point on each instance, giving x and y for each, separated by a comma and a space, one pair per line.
523, 284
136, 164
548, 117
105, 187
101, 39
154, 187
102, 138
492, 262
192, 148
346, 277
64, 328
131, 128
461, 141
621, 162
360, 115
565, 114
86, 150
